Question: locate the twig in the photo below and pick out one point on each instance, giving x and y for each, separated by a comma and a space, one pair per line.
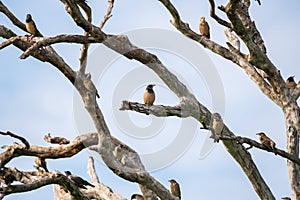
107, 14
92, 171
216, 17
252, 143
10, 41
85, 47
23, 140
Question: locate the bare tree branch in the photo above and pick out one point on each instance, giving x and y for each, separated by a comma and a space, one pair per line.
46, 41
92, 171
22, 139
282, 153
108, 14
35, 180
157, 110
60, 151
216, 17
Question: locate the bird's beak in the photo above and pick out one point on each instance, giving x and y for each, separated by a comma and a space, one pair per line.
257, 133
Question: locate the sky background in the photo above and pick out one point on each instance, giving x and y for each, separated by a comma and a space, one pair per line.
36, 98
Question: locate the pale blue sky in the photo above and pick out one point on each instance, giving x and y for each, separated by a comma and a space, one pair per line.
37, 99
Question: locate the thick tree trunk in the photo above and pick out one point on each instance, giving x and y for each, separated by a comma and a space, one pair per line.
291, 115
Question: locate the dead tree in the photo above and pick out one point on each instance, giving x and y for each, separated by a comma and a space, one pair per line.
254, 63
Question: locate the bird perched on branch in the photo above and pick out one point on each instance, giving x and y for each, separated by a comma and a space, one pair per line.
56, 140
290, 82
88, 84
266, 141
149, 95
137, 197
217, 126
78, 181
174, 188
40, 163
204, 28
31, 27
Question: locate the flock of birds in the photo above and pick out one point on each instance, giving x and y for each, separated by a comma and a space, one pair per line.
149, 98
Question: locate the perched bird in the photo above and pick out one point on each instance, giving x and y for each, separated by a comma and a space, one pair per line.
217, 126
149, 95
56, 140
290, 82
174, 188
40, 162
266, 141
137, 197
286, 198
31, 27
204, 28
87, 82
78, 181
119, 154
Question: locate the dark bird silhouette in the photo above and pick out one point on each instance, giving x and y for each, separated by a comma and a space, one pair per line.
286, 198
290, 82
137, 197
174, 188
217, 126
56, 140
204, 28
78, 181
40, 163
149, 95
266, 141
31, 27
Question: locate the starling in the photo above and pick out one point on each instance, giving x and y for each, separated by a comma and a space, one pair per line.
88, 84
40, 163
31, 27
56, 140
204, 28
266, 141
217, 126
149, 95
290, 82
137, 197
78, 181
174, 188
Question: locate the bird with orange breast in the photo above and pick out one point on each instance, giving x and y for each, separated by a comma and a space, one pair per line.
149, 95
290, 82
31, 27
266, 141
174, 188
204, 28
